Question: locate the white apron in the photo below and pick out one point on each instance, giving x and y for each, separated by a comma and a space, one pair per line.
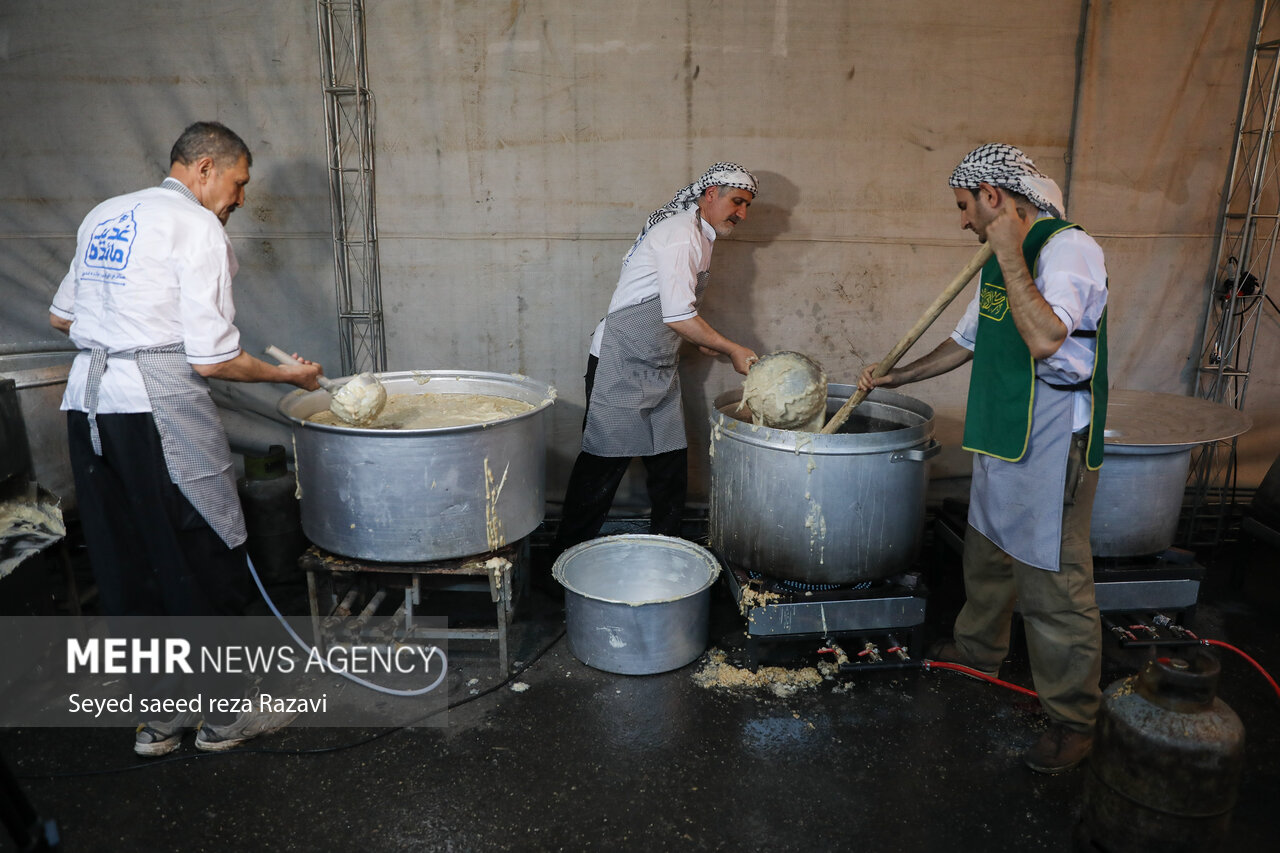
1018, 505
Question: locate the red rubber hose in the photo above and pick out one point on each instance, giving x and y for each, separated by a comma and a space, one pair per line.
1256, 665
970, 671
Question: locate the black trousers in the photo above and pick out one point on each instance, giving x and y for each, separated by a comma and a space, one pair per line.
151, 552
594, 481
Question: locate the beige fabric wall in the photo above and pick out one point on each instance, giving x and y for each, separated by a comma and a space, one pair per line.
521, 144
1154, 142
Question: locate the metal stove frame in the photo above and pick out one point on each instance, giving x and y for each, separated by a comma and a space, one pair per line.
339, 620
878, 613
1163, 582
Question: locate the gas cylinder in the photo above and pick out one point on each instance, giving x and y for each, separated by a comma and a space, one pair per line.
268, 494
1166, 762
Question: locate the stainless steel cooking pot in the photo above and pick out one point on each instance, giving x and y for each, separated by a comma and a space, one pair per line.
821, 508
636, 604
1149, 440
41, 379
1139, 499
423, 494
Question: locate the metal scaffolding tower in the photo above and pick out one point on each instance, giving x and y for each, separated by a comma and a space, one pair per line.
1248, 232
348, 121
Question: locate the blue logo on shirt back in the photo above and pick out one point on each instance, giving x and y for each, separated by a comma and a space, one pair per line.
111, 242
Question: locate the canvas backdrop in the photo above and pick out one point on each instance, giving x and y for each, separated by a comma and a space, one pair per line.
521, 144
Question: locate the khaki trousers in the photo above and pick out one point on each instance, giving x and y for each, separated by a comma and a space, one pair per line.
1059, 611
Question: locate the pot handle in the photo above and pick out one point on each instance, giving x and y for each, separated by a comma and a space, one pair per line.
917, 454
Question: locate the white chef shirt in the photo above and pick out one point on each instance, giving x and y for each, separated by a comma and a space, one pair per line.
667, 263
152, 268
1072, 276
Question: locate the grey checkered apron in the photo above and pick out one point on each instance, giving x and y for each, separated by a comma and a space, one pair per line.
191, 434
635, 402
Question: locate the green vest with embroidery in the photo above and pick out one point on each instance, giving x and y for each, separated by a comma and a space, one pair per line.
1003, 384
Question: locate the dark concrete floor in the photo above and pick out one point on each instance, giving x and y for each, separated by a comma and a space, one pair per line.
901, 760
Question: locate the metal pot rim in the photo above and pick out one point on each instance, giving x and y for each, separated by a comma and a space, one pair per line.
37, 369
840, 444
538, 394
702, 555
1120, 449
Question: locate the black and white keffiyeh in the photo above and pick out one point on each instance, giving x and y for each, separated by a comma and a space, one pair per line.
1008, 168
719, 175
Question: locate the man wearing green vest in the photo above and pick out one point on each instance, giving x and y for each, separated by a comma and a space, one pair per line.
1036, 334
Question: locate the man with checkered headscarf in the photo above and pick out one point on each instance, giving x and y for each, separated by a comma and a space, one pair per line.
632, 384
1036, 334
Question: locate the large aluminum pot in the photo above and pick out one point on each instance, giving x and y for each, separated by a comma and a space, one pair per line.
1149, 440
819, 508
423, 494
1139, 499
636, 604
41, 379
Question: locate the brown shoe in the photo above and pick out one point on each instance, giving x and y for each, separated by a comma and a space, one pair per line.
1058, 749
948, 652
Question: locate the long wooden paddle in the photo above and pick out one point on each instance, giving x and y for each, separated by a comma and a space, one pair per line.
900, 348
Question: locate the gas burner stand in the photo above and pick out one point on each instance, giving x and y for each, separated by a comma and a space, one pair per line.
347, 595
1168, 582
868, 618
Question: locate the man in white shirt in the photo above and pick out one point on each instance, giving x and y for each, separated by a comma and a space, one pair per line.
148, 302
632, 383
1036, 335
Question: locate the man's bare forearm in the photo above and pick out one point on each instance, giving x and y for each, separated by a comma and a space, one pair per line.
698, 331
246, 368
945, 357
1041, 329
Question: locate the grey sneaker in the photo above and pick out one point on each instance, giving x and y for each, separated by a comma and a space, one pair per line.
245, 727
161, 738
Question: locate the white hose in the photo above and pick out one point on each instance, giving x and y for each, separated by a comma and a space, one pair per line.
390, 691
